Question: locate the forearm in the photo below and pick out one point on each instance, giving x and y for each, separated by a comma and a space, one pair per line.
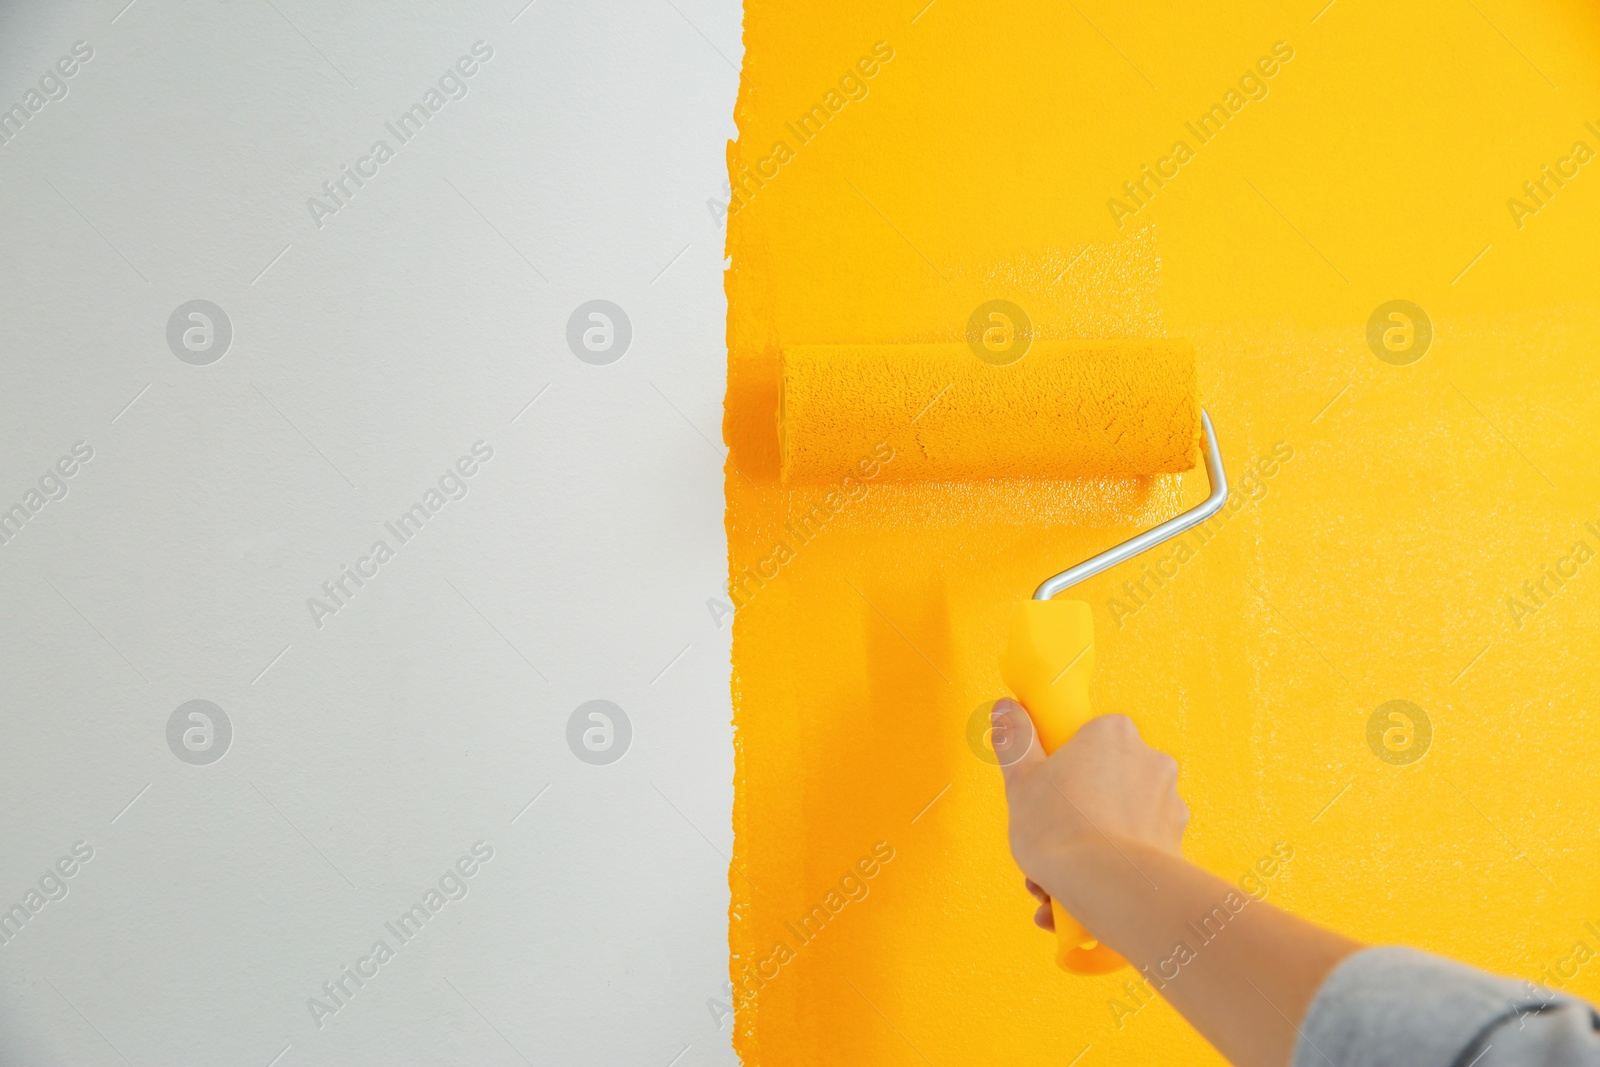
1241, 971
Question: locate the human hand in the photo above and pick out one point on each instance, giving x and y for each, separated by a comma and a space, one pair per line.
1097, 826
1103, 787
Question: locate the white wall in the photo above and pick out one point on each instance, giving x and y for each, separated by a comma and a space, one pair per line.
368, 354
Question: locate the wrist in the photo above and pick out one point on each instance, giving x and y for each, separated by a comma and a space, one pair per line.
1076, 870
1110, 885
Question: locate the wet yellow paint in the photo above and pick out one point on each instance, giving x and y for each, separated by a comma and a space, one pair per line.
1400, 533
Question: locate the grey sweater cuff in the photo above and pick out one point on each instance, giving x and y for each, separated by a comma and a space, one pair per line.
1397, 1006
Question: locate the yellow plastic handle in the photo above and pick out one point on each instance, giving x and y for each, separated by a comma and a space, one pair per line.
1047, 661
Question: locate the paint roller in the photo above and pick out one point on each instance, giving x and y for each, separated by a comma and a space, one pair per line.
1066, 409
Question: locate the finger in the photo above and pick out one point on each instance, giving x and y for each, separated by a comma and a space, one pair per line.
1044, 918
1015, 744
1037, 890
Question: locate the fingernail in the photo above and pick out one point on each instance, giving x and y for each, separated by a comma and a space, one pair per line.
1001, 709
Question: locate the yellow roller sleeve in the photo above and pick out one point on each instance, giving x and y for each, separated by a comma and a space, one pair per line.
1068, 409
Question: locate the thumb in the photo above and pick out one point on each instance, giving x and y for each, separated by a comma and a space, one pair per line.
1016, 743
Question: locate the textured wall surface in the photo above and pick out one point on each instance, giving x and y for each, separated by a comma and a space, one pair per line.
1380, 661
420, 719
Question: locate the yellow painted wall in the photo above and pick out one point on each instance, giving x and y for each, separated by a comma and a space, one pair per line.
1374, 565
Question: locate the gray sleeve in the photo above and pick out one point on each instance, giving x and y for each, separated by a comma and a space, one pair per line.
1397, 1007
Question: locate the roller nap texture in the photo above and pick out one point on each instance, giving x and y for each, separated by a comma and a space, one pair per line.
1068, 409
